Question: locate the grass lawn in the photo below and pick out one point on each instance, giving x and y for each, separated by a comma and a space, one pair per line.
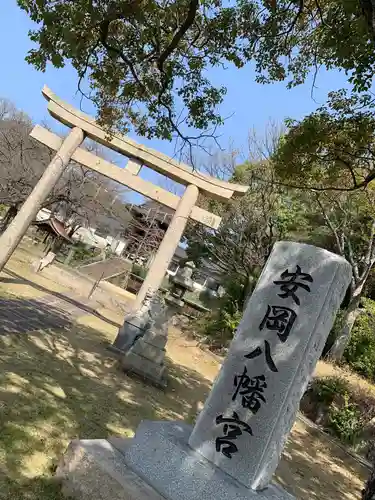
59, 385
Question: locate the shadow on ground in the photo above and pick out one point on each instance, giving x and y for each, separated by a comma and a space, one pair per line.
58, 384
314, 467
16, 278
22, 316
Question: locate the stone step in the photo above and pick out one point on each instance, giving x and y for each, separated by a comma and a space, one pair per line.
95, 469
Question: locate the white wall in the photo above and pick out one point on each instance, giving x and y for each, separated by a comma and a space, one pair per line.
43, 214
88, 236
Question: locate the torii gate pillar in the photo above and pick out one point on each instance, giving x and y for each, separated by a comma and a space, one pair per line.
167, 248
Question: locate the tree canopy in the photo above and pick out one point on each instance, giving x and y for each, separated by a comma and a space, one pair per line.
333, 147
147, 61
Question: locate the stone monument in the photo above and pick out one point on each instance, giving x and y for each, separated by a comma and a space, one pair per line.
234, 448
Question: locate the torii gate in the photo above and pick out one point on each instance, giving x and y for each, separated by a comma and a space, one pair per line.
68, 149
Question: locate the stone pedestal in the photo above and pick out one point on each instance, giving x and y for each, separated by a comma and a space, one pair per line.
146, 357
133, 328
136, 324
157, 464
178, 472
95, 469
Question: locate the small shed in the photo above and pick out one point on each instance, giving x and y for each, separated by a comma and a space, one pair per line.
55, 233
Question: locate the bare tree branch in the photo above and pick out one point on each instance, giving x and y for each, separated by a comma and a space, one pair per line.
178, 36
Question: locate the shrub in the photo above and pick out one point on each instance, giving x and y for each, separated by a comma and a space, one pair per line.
324, 390
360, 352
217, 327
344, 410
345, 420
84, 253
231, 321
139, 271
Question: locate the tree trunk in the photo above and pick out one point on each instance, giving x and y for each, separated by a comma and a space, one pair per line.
248, 290
351, 314
10, 215
368, 493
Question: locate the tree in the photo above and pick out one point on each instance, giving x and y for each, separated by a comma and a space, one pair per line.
250, 226
21, 160
239, 248
81, 195
350, 221
146, 62
331, 153
333, 148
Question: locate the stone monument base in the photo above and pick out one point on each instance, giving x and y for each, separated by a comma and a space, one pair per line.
94, 469
127, 335
156, 464
146, 358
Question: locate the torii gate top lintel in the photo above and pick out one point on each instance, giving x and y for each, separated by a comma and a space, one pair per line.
157, 161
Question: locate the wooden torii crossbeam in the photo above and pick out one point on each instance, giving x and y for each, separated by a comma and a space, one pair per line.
68, 149
159, 162
124, 176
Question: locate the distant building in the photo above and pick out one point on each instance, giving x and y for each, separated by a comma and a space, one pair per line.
145, 231
136, 236
106, 233
179, 258
43, 214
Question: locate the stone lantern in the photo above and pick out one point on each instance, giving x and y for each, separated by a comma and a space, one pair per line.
181, 283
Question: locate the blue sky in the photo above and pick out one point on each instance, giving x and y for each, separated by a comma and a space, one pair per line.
251, 104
